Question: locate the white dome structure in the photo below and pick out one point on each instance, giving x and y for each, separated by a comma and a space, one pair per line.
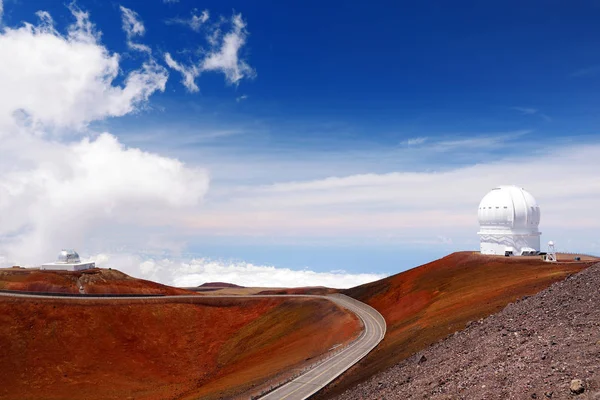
508, 222
68, 260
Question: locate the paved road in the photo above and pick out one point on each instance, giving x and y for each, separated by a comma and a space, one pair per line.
315, 379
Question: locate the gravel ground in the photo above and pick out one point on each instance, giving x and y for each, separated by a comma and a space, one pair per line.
544, 346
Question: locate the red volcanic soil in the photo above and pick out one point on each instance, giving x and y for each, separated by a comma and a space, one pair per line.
94, 281
159, 349
427, 303
219, 285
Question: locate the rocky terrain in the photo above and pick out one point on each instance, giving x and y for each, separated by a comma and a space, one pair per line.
542, 347
425, 304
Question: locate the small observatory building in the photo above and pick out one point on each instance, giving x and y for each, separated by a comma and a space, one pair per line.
509, 218
68, 260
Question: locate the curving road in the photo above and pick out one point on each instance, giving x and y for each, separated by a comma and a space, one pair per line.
315, 379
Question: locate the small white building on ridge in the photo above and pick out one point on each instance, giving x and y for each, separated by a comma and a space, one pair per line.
509, 218
68, 260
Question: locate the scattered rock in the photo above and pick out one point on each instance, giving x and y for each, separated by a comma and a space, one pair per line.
577, 386
422, 359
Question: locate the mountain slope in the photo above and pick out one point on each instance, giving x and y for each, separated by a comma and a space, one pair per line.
93, 281
183, 348
425, 304
532, 349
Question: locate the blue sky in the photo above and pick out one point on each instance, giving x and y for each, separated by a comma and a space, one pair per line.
344, 123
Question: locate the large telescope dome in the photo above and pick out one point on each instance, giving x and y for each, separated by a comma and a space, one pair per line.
509, 218
509, 207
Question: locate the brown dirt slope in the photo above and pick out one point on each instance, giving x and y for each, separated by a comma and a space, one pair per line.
532, 349
425, 304
158, 349
94, 281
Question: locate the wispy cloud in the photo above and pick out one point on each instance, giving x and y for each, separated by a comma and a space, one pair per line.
532, 111
133, 27
525, 110
416, 141
223, 56
195, 22
189, 73
482, 141
241, 98
411, 206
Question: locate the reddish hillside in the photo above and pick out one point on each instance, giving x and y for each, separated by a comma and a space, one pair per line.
93, 281
425, 304
159, 349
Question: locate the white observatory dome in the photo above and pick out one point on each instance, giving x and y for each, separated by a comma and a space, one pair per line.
509, 218
68, 257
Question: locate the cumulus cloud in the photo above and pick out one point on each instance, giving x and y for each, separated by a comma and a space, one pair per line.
196, 271
58, 190
223, 56
69, 194
194, 22
67, 80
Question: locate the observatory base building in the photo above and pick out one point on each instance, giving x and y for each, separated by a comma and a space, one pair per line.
68, 260
509, 218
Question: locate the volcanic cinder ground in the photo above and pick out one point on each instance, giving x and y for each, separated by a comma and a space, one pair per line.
157, 349
204, 347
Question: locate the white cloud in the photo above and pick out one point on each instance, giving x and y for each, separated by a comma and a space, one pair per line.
195, 22
189, 73
241, 98
223, 56
170, 1
133, 27
66, 81
226, 58
74, 194
1, 11
416, 141
194, 272
89, 193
